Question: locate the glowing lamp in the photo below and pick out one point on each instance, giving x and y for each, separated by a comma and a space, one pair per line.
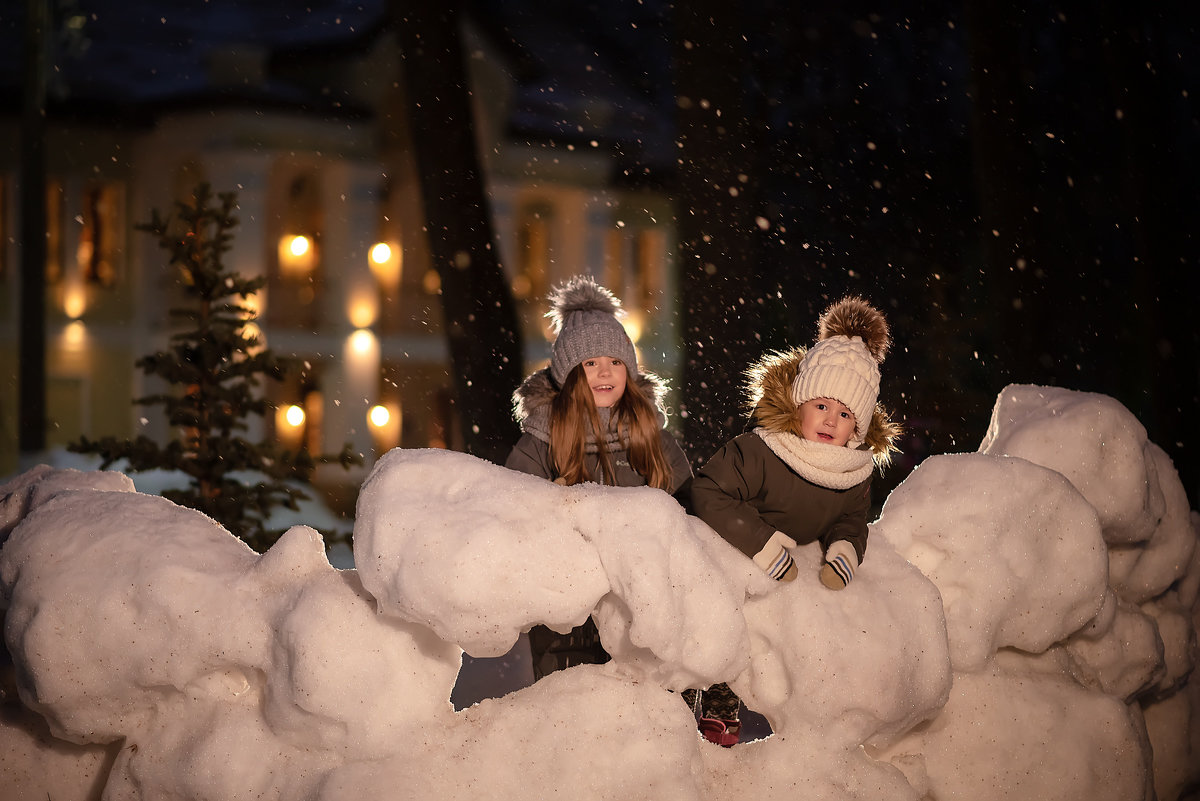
379, 416
289, 423
294, 416
381, 253
296, 255
362, 312
384, 419
384, 259
74, 302
362, 342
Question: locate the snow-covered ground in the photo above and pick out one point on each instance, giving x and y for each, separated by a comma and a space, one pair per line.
1024, 626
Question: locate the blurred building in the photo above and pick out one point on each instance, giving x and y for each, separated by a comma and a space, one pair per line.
303, 117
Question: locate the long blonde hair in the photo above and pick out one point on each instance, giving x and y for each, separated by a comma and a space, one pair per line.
573, 415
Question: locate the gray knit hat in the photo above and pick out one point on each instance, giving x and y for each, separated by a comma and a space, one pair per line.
584, 316
852, 340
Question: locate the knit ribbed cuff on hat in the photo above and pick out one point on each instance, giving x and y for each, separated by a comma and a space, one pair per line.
774, 557
840, 368
602, 335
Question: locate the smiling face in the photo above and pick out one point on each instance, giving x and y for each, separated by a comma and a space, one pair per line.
826, 420
606, 376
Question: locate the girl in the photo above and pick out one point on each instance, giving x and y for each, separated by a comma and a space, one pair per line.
592, 416
804, 473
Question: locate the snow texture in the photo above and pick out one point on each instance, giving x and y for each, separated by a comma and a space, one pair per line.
1023, 626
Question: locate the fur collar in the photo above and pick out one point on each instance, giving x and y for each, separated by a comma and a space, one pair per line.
531, 401
769, 399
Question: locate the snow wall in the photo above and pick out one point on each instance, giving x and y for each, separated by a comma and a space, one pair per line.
1023, 626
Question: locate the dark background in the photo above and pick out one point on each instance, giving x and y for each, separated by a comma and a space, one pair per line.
1013, 184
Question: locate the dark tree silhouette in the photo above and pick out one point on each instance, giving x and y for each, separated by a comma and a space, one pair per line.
480, 316
32, 384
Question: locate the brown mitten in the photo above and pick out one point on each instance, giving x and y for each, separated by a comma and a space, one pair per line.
838, 570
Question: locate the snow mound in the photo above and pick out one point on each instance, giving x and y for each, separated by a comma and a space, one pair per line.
1036, 600
449, 541
1092, 440
1019, 560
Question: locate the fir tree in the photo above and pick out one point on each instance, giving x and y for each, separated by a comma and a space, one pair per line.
214, 367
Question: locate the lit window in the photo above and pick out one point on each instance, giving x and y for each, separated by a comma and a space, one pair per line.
296, 255
293, 415
384, 259
294, 275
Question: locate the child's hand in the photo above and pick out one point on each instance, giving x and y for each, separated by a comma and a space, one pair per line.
838, 569
775, 559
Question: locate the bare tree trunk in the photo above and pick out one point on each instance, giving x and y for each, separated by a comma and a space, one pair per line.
480, 316
31, 406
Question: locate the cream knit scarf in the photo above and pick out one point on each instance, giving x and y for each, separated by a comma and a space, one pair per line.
831, 466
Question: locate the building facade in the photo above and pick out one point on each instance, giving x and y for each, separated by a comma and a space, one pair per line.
330, 214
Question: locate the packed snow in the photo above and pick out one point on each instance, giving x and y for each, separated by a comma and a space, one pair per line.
1023, 626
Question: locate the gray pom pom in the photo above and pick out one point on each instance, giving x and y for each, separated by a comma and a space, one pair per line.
581, 293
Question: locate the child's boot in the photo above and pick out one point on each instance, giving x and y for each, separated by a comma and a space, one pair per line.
721, 732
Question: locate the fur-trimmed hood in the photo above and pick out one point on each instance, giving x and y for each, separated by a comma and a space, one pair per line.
531, 401
768, 399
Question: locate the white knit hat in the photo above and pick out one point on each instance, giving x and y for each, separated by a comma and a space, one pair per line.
843, 365
585, 315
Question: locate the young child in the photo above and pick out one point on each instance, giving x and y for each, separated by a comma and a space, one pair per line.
804, 473
592, 415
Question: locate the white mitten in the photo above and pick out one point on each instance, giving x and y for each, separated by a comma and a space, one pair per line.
775, 559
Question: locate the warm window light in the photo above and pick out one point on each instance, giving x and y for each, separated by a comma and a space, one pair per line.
296, 254
252, 331
384, 259
362, 341
362, 312
75, 335
74, 302
432, 282
381, 253
633, 325
294, 416
379, 416
384, 420
289, 423
252, 304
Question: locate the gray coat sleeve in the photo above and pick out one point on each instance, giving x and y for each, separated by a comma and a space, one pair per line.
531, 455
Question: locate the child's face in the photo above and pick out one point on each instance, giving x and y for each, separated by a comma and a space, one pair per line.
606, 377
826, 420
